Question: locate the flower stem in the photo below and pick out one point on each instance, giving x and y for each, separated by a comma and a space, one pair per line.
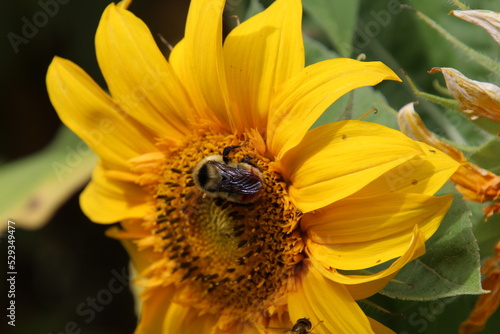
378, 307
460, 5
440, 89
479, 58
442, 101
347, 112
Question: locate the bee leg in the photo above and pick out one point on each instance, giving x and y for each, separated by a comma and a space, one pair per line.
248, 160
228, 150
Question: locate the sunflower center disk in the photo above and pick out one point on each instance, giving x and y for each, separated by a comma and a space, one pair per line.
226, 257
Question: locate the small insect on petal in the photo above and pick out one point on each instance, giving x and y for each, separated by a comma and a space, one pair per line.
301, 326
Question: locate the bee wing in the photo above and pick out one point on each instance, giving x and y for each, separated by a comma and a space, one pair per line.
238, 180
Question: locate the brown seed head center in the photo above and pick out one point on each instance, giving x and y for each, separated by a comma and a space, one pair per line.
226, 257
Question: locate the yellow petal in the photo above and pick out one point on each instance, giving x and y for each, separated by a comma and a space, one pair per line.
367, 289
355, 223
412, 125
479, 99
175, 318
109, 201
303, 98
182, 319
486, 19
336, 160
180, 64
279, 322
124, 4
423, 174
198, 62
260, 54
361, 233
198, 324
138, 76
475, 183
156, 302
89, 112
319, 299
244, 327
363, 286
378, 328
129, 230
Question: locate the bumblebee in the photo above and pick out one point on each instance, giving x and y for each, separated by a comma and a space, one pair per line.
218, 176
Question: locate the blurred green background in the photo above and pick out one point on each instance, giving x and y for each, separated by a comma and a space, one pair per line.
67, 263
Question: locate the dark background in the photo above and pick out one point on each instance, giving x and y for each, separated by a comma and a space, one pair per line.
66, 265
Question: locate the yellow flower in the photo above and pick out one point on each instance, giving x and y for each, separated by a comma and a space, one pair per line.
344, 196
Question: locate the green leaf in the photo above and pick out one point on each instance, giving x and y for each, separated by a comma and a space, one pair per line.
34, 187
317, 51
487, 232
337, 19
254, 7
437, 316
450, 266
492, 128
488, 156
355, 104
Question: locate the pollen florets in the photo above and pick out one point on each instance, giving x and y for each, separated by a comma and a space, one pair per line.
228, 257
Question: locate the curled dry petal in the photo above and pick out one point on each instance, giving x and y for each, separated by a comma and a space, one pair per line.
491, 209
413, 126
477, 184
480, 99
473, 182
486, 19
487, 304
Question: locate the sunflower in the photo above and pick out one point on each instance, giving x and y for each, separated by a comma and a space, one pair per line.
349, 195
